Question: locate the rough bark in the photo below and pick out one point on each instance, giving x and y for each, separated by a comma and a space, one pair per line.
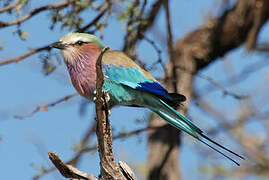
238, 25
217, 37
109, 167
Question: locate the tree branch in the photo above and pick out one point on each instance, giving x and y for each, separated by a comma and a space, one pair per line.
46, 106
220, 35
133, 36
11, 6
25, 55
31, 52
103, 10
69, 171
86, 149
109, 168
36, 11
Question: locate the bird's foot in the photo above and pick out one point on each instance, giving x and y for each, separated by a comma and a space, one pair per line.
94, 96
106, 99
109, 112
106, 96
94, 92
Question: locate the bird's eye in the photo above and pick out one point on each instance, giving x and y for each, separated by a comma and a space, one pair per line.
79, 43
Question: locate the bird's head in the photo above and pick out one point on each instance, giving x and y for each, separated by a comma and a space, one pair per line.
76, 46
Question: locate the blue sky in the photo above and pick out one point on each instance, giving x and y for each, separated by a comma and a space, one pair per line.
25, 143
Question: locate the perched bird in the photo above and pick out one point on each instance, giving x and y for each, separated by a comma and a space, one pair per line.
125, 83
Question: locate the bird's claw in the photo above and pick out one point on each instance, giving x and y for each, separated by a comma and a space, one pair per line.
106, 96
106, 99
94, 96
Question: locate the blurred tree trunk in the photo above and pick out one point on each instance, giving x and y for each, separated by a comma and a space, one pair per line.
164, 143
238, 25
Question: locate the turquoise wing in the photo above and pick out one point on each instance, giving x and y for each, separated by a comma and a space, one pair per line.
121, 69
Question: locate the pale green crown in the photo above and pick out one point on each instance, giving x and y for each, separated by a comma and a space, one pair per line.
73, 38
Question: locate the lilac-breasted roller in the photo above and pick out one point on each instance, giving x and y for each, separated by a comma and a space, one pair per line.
125, 82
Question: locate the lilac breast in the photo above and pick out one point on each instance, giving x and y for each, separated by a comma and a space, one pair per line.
83, 76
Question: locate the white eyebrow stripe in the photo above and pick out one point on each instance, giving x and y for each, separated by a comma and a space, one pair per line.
74, 39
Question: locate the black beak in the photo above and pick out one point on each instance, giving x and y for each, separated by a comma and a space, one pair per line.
58, 45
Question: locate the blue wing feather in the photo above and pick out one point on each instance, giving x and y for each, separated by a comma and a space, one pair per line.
153, 87
133, 78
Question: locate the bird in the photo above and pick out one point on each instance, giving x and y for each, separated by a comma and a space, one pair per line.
125, 84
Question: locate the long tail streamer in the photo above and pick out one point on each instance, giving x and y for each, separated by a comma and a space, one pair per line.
181, 122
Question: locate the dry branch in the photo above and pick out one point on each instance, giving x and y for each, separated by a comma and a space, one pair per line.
69, 171
46, 106
213, 83
94, 147
11, 6
103, 10
25, 55
133, 36
220, 35
35, 12
109, 168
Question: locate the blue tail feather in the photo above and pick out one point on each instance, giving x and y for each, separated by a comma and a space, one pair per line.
181, 122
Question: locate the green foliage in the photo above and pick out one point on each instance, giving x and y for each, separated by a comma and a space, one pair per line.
49, 63
141, 168
132, 16
83, 4
70, 17
220, 170
23, 35
66, 19
22, 5
131, 10
48, 67
76, 146
217, 170
2, 44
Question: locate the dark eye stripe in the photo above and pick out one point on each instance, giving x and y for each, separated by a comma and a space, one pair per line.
79, 43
